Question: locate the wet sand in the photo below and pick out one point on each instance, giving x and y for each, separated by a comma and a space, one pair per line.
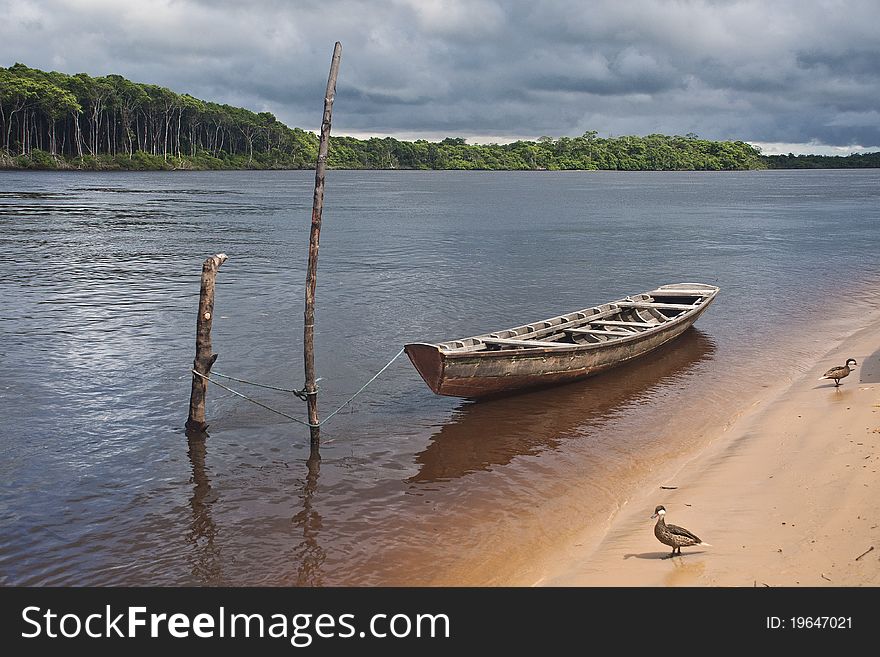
786, 494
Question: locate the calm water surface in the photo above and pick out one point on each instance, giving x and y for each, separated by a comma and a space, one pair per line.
99, 280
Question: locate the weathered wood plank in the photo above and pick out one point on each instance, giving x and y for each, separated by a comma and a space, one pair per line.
580, 321
579, 331
658, 306
525, 343
680, 293
643, 325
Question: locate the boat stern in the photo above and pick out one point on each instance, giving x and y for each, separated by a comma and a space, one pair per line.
428, 361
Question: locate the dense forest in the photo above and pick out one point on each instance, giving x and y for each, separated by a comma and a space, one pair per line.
854, 161
54, 120
51, 120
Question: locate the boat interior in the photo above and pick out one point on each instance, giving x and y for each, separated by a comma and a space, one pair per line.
616, 320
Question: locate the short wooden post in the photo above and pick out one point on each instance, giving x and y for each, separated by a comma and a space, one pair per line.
205, 357
314, 238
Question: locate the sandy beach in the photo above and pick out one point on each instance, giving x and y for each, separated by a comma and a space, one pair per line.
786, 494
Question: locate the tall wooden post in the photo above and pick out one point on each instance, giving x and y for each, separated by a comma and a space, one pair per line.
204, 355
314, 238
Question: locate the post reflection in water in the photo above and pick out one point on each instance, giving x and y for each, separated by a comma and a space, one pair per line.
492, 433
309, 554
206, 562
206, 554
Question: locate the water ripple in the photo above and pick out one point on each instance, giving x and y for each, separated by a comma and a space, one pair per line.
100, 281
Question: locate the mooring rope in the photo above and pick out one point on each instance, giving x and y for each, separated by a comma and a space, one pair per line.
364, 387
250, 399
299, 393
302, 394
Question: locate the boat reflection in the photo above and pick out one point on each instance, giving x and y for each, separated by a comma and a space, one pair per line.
489, 433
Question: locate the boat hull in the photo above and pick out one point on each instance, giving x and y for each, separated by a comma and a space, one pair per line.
474, 374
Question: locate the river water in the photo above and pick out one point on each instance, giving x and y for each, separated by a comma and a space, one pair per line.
99, 279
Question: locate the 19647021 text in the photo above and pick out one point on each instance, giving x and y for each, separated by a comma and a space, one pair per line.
809, 623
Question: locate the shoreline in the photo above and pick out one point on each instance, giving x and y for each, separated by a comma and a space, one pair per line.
176, 165
785, 494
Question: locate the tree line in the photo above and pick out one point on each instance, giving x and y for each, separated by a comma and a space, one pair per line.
55, 120
854, 161
587, 152
54, 117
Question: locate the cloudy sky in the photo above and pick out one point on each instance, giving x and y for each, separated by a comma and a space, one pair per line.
788, 75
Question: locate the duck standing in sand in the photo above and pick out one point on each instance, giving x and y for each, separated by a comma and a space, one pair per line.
838, 373
672, 535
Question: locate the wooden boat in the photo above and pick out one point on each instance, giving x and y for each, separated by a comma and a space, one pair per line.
563, 348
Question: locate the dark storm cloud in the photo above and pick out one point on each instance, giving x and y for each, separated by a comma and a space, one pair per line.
785, 71
854, 62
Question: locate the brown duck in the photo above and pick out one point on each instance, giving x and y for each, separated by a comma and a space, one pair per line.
672, 535
838, 373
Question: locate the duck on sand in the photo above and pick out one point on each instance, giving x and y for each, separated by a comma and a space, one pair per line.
838, 373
